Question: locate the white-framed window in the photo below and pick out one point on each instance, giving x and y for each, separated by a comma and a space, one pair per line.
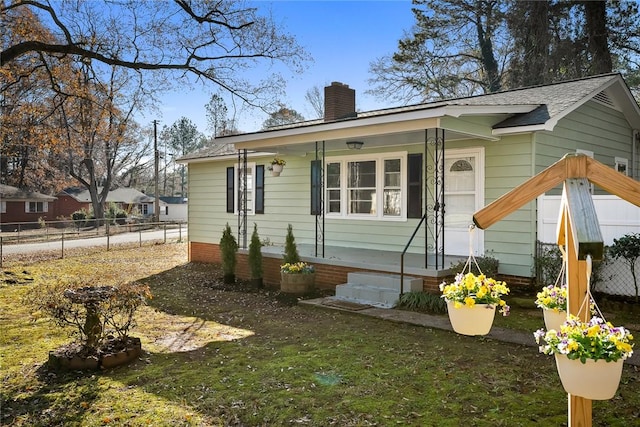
36, 207
250, 190
372, 186
3, 206
144, 209
622, 165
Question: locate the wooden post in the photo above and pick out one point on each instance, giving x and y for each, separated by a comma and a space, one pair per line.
579, 409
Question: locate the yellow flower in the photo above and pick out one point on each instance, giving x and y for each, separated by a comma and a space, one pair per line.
572, 345
457, 304
623, 346
469, 301
593, 331
482, 291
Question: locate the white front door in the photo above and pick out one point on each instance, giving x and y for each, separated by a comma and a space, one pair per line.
463, 196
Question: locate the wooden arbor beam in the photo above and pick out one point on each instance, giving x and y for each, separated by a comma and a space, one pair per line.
570, 166
579, 230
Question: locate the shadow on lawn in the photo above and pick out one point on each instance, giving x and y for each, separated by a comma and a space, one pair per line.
51, 404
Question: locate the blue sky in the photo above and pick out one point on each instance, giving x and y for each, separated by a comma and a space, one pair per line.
342, 37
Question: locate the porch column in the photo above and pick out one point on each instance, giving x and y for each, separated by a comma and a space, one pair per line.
317, 196
242, 198
434, 209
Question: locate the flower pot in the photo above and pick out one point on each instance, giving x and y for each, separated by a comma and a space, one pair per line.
476, 320
274, 173
297, 283
553, 319
595, 379
276, 168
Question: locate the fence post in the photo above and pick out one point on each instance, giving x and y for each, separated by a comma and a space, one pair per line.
180, 232
62, 244
165, 233
1, 252
140, 236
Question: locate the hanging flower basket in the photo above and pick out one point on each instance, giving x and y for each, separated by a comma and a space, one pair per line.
589, 355
277, 165
593, 379
553, 319
475, 320
472, 301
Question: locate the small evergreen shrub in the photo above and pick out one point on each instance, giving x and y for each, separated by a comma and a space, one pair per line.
255, 255
228, 249
291, 255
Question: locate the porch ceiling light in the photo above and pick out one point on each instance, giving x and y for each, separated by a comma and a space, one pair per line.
355, 145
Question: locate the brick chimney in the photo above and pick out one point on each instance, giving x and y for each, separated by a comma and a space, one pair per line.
339, 102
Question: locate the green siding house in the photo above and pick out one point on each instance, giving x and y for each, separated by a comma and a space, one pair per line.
358, 185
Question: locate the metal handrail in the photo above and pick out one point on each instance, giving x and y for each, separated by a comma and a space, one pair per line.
404, 251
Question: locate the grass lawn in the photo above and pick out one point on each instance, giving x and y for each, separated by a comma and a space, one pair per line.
215, 356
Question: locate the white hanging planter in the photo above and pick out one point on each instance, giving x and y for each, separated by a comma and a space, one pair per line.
595, 379
276, 168
476, 320
553, 319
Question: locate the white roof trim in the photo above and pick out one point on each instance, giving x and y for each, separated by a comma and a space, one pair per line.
418, 117
229, 156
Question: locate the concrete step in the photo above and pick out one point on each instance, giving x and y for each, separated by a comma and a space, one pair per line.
377, 289
385, 280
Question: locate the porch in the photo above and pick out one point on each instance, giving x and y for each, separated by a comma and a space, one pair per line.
333, 269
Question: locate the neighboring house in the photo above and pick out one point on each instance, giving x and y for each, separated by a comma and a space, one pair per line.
130, 200
367, 181
174, 209
17, 206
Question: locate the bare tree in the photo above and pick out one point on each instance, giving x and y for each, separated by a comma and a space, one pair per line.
315, 97
174, 40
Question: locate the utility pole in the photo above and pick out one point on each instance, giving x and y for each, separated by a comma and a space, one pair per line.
156, 153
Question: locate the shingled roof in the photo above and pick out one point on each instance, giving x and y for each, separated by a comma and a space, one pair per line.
10, 193
533, 108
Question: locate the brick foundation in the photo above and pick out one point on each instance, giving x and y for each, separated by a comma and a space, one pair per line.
328, 276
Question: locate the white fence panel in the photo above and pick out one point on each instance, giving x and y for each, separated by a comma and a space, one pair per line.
617, 217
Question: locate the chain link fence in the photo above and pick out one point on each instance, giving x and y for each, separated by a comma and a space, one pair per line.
57, 237
611, 276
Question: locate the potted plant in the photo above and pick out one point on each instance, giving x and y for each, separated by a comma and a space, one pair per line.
277, 164
472, 301
255, 258
589, 355
553, 302
296, 276
228, 249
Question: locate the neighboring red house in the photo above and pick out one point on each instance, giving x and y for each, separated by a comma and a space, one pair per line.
17, 206
130, 200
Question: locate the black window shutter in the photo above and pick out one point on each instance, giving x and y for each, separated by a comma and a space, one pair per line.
414, 182
230, 188
260, 189
316, 187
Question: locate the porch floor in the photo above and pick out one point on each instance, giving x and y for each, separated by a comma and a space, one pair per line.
385, 261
